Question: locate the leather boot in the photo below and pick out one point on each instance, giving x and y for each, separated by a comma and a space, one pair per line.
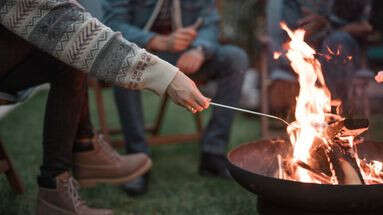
104, 165
213, 165
64, 199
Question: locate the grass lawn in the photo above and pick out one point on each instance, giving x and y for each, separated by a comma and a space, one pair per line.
175, 186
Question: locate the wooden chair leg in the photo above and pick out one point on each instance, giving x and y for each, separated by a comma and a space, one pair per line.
160, 116
198, 121
6, 166
101, 110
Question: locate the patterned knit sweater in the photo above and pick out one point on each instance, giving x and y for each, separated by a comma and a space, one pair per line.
63, 29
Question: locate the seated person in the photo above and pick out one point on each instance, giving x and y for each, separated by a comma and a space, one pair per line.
52, 43
331, 26
184, 32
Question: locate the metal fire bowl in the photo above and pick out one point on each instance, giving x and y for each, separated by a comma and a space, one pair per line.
253, 166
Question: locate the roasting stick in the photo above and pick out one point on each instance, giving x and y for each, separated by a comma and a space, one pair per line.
249, 111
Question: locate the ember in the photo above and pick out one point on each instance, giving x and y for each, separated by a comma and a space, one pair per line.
323, 143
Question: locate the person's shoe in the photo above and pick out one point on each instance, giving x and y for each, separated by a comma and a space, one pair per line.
63, 199
104, 165
138, 186
213, 165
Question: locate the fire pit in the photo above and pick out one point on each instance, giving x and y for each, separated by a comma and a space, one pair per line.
325, 165
255, 166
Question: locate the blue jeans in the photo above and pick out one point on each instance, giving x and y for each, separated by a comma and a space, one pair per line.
227, 67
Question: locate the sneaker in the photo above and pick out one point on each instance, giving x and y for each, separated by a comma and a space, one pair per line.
214, 165
102, 164
63, 199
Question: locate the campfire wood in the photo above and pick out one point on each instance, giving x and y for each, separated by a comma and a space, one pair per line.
254, 166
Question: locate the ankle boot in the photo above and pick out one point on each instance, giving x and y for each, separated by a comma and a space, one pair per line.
63, 199
102, 164
214, 165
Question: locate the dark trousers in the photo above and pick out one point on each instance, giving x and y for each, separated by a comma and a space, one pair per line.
67, 114
227, 67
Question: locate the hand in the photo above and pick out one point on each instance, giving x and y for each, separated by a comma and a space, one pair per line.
191, 61
184, 92
312, 22
175, 42
181, 39
379, 77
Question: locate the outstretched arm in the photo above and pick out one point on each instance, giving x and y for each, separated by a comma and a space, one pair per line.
63, 29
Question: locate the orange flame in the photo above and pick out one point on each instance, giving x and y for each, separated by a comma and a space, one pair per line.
277, 55
312, 106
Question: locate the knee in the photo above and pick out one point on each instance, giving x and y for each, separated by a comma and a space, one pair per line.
70, 78
233, 57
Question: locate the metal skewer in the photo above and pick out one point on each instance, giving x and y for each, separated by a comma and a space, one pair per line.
249, 111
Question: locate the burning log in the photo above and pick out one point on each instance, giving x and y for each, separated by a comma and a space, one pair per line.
350, 174
354, 127
341, 153
344, 165
317, 175
346, 128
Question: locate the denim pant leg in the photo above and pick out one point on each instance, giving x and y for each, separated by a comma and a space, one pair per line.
228, 67
129, 107
339, 70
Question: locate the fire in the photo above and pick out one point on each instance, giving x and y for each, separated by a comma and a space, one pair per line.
277, 55
311, 128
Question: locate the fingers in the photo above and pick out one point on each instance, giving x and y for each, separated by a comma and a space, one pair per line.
194, 106
191, 109
187, 31
184, 36
190, 62
179, 45
181, 39
184, 92
202, 100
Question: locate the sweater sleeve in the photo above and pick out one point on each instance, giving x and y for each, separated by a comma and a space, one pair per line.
63, 29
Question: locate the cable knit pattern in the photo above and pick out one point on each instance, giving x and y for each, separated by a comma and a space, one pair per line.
65, 30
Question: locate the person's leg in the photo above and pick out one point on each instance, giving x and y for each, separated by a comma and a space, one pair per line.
129, 107
85, 132
85, 127
60, 124
63, 108
341, 68
228, 67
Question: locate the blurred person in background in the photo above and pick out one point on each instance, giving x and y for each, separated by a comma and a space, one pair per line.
185, 33
58, 42
331, 26
379, 77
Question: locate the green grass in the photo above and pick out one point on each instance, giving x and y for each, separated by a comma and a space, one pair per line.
175, 186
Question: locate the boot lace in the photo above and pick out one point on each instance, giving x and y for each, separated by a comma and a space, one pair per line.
71, 186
